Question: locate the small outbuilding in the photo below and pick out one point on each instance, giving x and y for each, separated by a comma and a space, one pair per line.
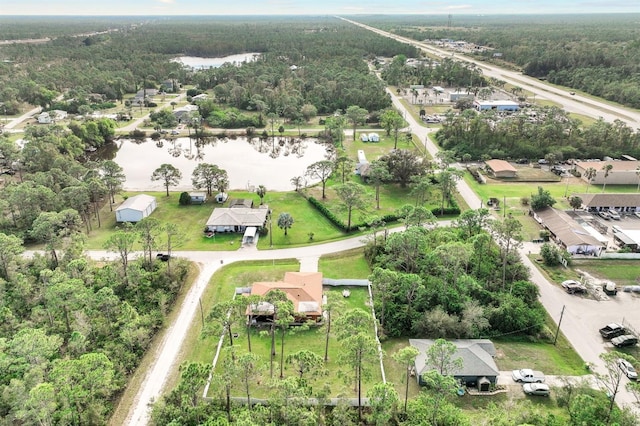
221, 197
198, 197
136, 208
500, 169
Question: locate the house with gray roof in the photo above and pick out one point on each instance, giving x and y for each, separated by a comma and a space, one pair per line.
570, 234
624, 203
236, 219
478, 366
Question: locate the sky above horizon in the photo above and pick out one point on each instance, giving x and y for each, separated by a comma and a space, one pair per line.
313, 7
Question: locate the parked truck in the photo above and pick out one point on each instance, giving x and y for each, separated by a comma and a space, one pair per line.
527, 375
612, 330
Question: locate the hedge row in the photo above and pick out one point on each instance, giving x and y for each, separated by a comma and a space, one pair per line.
454, 210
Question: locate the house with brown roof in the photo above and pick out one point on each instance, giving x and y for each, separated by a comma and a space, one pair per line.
500, 169
571, 235
303, 289
621, 173
625, 203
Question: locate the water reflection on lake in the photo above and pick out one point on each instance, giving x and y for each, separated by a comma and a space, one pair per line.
200, 63
269, 162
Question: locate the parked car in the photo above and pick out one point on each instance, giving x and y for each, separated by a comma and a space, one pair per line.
604, 215
573, 286
624, 340
539, 389
527, 375
610, 288
162, 256
612, 330
628, 370
522, 161
614, 214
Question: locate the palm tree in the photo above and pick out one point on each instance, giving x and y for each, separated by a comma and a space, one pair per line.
607, 168
285, 221
590, 173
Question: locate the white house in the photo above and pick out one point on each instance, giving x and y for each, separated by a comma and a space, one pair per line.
136, 208
498, 105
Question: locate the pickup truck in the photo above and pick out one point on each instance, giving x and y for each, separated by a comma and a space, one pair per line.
612, 330
527, 375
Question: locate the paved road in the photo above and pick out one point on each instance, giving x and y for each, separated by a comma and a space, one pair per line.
573, 103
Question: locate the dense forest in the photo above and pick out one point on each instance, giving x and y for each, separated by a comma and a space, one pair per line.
327, 53
598, 54
535, 134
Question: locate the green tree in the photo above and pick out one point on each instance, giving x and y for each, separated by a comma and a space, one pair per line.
378, 174
344, 166
589, 174
542, 199
113, 177
404, 166
575, 202
248, 371
148, 230
407, 358
168, 175
122, 242
352, 196
261, 191
607, 170
359, 353
447, 180
392, 121
441, 357
356, 115
383, 400
10, 250
508, 235
306, 363
321, 170
285, 221
208, 176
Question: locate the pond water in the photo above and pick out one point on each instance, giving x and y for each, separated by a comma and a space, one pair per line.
199, 63
270, 162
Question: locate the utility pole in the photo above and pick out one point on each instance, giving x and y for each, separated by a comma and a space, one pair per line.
555, 339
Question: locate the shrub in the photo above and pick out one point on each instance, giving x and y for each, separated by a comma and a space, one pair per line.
185, 199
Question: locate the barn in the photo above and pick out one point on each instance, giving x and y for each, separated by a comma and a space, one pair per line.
136, 208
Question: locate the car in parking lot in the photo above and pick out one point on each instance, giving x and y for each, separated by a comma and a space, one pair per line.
573, 286
613, 214
628, 370
539, 389
604, 215
624, 340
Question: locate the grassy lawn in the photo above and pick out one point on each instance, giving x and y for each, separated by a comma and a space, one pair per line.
191, 219
346, 264
306, 219
622, 272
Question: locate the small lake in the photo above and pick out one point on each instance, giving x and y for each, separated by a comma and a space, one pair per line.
198, 63
249, 163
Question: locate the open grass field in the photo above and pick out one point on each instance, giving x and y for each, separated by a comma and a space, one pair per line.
622, 272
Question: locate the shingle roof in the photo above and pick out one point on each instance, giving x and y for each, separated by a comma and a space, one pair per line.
476, 354
500, 166
138, 202
237, 216
565, 228
610, 200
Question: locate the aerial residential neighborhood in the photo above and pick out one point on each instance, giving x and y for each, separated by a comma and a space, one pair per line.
350, 220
